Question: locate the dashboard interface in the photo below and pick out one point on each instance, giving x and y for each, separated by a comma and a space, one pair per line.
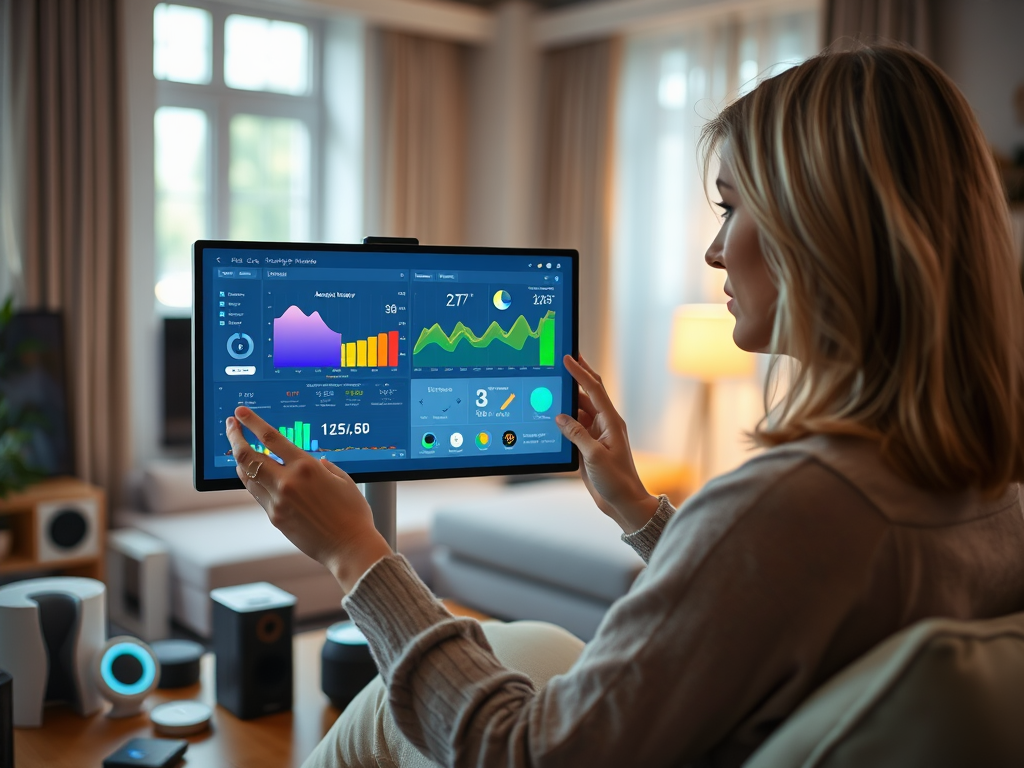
392, 362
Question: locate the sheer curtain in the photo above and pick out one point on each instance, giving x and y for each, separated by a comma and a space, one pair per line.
578, 118
66, 80
673, 81
421, 142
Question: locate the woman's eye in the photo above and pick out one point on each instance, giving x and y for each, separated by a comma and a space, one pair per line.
726, 210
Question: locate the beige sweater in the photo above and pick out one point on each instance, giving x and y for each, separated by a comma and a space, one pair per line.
764, 584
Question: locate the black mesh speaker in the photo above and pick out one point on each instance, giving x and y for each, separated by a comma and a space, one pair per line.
6, 722
252, 642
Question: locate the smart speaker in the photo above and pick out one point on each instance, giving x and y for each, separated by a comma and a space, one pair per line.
252, 642
126, 672
50, 632
345, 663
67, 528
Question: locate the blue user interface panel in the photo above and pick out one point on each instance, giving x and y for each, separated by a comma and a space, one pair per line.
393, 364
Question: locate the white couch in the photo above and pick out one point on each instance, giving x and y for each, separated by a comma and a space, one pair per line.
224, 538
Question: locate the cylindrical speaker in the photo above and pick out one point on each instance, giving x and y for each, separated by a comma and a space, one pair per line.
179, 662
346, 665
126, 672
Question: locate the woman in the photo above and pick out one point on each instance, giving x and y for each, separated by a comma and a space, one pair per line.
866, 238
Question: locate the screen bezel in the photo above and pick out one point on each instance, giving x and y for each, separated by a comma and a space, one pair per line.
203, 483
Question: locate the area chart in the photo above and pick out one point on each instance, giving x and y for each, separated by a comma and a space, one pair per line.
520, 345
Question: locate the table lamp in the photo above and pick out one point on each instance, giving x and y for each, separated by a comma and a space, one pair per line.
702, 348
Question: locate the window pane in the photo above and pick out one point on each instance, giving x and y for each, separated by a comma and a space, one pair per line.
269, 178
265, 55
181, 44
182, 198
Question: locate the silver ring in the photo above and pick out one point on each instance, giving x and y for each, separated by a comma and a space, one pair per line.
252, 475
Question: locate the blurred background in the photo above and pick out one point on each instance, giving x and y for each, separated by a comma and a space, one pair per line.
131, 128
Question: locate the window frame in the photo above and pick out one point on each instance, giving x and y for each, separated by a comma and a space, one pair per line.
221, 103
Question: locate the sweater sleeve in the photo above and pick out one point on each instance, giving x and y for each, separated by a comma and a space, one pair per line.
719, 642
643, 540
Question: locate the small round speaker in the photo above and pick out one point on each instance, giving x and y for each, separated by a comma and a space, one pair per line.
179, 662
126, 672
346, 665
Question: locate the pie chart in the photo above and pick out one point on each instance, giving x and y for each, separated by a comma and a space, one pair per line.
502, 300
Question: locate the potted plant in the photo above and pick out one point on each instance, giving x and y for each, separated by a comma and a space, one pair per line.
15, 422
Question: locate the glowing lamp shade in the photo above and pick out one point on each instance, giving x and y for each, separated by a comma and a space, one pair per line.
702, 345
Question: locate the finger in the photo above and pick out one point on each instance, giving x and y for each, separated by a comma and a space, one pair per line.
586, 420
245, 457
587, 367
333, 468
586, 404
576, 434
278, 444
592, 386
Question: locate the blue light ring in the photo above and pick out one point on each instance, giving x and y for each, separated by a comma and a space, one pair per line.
129, 649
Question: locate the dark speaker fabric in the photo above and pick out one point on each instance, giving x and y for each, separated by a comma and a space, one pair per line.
6, 721
253, 650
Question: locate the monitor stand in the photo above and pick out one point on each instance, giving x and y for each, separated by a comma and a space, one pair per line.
383, 500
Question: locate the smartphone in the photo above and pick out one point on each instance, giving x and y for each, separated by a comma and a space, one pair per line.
147, 753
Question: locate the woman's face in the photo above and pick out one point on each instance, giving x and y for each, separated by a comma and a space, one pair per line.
737, 250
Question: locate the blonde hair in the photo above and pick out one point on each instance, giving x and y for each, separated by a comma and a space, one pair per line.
885, 228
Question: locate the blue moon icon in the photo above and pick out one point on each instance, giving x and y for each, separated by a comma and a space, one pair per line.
502, 300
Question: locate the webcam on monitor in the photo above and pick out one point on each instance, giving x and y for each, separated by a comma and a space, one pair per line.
393, 360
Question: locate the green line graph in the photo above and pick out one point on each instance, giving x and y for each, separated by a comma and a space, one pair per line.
519, 345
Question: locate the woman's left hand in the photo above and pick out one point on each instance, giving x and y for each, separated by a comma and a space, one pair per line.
314, 503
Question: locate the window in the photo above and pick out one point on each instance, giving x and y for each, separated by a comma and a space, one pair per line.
672, 82
236, 133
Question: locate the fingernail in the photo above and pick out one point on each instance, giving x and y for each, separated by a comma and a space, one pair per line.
561, 419
230, 423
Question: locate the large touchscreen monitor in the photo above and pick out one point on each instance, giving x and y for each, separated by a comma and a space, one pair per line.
394, 362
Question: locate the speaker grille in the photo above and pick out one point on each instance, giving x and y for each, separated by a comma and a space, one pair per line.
68, 528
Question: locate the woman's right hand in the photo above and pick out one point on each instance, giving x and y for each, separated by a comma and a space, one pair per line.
608, 470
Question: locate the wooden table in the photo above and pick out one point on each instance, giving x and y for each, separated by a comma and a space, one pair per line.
276, 741
284, 739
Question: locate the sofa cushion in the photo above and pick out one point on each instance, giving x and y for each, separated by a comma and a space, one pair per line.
939, 694
549, 532
166, 487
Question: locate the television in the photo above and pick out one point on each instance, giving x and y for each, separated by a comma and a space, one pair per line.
394, 361
34, 383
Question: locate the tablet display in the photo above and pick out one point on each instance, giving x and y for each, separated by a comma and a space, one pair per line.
394, 362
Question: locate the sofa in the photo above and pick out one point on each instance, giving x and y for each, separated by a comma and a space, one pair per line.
223, 538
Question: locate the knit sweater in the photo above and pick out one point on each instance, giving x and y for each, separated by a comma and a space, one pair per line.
763, 585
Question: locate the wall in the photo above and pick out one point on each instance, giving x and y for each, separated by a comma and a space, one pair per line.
980, 44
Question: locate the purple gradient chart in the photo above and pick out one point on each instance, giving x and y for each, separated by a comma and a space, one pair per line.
305, 342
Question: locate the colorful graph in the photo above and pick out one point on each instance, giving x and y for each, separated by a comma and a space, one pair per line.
519, 345
305, 341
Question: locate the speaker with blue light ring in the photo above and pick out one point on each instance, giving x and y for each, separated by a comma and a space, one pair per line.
126, 672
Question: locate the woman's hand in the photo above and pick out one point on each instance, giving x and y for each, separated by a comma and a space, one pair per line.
314, 503
608, 469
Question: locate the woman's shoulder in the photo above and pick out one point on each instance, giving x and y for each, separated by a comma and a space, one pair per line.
829, 468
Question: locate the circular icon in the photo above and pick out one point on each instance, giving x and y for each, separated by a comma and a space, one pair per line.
502, 300
509, 438
541, 399
240, 345
428, 441
456, 439
483, 440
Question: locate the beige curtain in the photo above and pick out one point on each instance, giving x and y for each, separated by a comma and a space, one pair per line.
422, 145
578, 118
67, 80
905, 21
